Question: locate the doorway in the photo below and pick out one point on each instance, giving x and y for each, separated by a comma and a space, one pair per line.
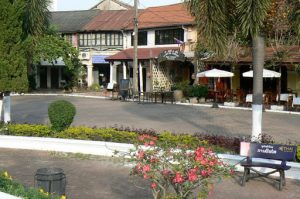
54, 78
43, 77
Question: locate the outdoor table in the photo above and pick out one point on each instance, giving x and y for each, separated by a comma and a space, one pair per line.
285, 96
296, 101
249, 98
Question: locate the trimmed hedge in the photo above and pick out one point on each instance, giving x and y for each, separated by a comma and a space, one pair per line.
61, 114
219, 143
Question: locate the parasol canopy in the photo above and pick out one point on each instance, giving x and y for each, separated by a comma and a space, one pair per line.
266, 74
215, 73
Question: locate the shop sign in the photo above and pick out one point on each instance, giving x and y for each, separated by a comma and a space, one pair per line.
171, 55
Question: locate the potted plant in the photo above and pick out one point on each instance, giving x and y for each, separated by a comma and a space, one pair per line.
180, 90
201, 92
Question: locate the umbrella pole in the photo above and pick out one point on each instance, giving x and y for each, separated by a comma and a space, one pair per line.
215, 105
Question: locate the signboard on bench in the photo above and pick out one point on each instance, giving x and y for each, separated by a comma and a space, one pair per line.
268, 151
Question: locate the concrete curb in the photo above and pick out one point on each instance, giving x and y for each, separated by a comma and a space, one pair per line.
108, 149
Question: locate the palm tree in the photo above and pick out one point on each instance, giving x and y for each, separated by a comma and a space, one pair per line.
217, 20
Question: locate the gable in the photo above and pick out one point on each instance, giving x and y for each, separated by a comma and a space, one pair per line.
112, 5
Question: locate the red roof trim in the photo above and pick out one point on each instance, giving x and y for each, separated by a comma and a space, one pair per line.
143, 53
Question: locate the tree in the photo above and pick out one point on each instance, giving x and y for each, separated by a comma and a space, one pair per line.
51, 47
13, 70
35, 17
218, 20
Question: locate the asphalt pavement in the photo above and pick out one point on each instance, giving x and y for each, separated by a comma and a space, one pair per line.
160, 117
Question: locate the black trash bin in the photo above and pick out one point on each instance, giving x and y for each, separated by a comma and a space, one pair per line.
51, 180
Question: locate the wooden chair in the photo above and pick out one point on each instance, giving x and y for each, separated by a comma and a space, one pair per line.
240, 95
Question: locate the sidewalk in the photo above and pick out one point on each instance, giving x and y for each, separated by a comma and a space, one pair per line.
106, 178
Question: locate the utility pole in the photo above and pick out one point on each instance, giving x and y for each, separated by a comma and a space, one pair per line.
135, 46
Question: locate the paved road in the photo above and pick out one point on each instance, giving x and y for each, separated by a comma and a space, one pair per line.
174, 118
103, 178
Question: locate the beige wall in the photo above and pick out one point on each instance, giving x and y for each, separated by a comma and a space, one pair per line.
294, 81
236, 78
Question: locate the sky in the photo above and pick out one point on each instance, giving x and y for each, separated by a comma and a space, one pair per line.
87, 4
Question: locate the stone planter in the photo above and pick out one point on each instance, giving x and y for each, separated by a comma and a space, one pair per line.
178, 95
231, 104
193, 100
277, 107
202, 100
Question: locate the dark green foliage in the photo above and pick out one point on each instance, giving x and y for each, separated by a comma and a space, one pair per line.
61, 114
197, 91
13, 64
51, 47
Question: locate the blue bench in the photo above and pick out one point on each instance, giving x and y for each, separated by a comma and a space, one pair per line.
281, 153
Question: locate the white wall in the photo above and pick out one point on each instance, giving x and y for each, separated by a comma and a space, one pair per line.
151, 39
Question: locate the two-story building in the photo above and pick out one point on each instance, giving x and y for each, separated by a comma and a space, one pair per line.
166, 42
96, 33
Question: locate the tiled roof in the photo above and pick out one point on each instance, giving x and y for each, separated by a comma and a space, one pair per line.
143, 53
162, 16
110, 20
292, 55
71, 21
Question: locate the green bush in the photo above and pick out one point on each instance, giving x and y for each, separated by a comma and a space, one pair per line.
298, 153
61, 114
95, 87
10, 187
102, 134
29, 130
197, 91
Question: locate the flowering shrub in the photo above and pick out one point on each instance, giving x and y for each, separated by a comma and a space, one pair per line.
176, 172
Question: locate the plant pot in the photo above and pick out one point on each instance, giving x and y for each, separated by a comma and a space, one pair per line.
277, 107
178, 95
193, 100
231, 104
202, 100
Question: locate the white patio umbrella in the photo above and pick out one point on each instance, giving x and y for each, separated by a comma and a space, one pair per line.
266, 74
215, 73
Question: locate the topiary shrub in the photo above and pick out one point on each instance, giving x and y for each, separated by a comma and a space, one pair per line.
61, 114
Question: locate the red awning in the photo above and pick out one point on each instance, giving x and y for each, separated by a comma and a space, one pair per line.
143, 53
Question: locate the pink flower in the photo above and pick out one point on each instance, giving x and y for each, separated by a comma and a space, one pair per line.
204, 173
153, 185
146, 168
211, 164
178, 178
151, 143
166, 172
138, 167
141, 154
192, 175
204, 162
199, 158
146, 176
